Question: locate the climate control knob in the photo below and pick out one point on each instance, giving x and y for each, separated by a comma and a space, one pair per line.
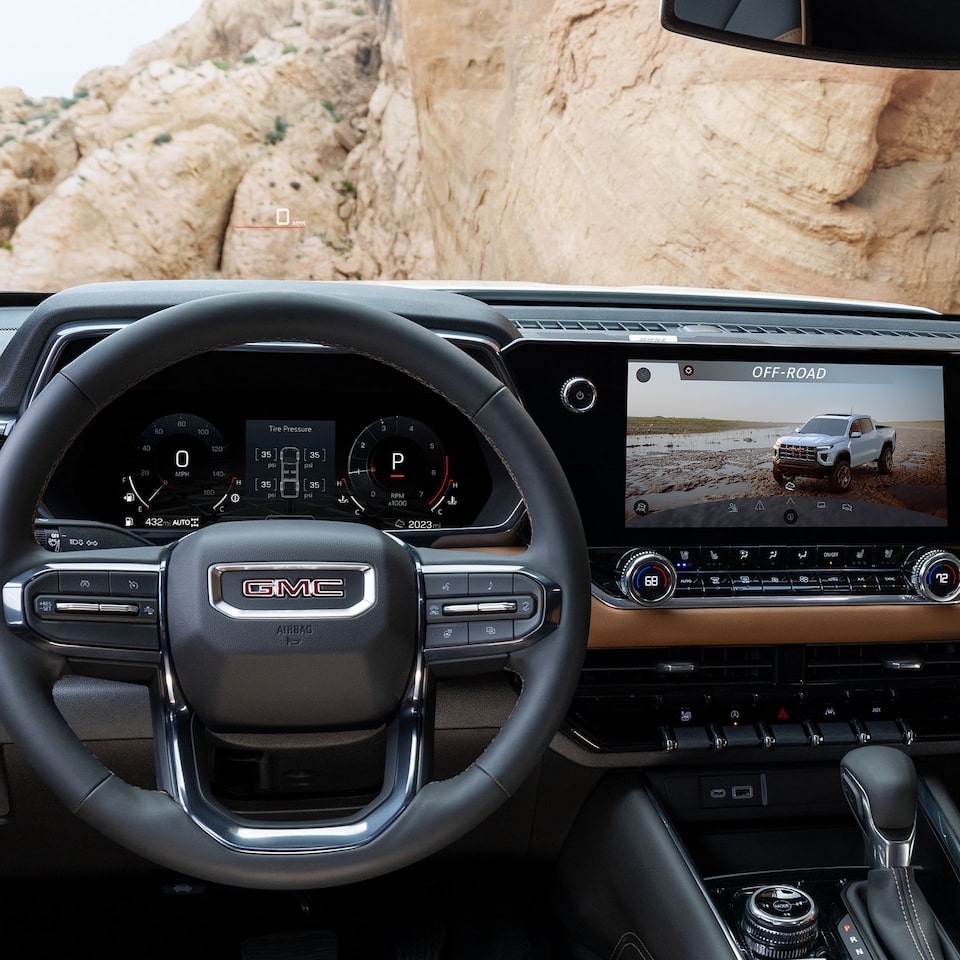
780, 922
936, 576
648, 578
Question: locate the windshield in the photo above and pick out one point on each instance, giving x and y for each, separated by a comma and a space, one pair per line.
827, 426
559, 141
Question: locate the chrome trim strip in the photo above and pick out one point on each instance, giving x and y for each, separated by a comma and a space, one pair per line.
697, 603
735, 948
215, 594
58, 342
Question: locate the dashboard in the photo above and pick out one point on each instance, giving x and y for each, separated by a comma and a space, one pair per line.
768, 488
770, 493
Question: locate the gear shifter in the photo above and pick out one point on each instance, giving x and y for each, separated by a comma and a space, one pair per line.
880, 784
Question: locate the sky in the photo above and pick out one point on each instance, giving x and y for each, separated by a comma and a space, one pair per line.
47, 45
888, 394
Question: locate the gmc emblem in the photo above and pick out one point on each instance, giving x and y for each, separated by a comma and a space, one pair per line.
328, 587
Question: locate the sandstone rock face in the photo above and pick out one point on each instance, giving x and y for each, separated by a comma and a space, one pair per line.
550, 140
573, 141
154, 168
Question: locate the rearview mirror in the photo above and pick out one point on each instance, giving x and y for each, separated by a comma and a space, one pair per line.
889, 33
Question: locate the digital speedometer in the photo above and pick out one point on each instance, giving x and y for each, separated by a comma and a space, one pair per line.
180, 476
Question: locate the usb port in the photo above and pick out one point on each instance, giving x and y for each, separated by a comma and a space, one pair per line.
742, 793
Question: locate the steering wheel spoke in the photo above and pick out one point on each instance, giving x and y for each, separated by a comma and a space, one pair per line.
96, 606
184, 773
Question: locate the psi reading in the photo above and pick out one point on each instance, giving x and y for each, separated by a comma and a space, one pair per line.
290, 461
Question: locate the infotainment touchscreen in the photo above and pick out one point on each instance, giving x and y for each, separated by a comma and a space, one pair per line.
777, 444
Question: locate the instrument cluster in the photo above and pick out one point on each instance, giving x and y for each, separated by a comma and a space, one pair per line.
250, 434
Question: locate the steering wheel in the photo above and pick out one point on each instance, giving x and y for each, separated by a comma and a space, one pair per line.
285, 626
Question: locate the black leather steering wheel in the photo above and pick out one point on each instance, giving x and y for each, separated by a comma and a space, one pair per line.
205, 638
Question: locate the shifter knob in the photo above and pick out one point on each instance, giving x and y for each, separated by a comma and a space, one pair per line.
880, 785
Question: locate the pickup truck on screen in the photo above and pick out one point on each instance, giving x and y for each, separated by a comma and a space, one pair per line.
830, 446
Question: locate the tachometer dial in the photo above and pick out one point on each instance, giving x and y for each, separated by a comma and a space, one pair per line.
398, 466
181, 474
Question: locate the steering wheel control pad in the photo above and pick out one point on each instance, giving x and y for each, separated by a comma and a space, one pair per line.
291, 624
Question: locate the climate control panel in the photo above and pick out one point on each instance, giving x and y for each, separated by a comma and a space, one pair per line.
719, 575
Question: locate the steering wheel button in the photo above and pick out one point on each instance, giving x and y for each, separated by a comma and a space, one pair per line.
76, 606
120, 609
490, 584
133, 584
440, 585
526, 606
84, 581
45, 606
460, 609
446, 635
490, 631
498, 606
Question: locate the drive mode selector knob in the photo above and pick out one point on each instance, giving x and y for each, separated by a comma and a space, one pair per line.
780, 922
936, 576
648, 578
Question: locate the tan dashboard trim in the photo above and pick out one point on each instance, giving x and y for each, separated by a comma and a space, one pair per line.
888, 623
611, 627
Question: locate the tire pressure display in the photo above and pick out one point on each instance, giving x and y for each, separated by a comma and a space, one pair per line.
290, 463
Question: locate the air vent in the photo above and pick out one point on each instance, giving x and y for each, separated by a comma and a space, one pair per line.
854, 662
613, 671
631, 326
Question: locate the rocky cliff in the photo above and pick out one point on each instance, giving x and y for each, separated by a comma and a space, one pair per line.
546, 140
233, 146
